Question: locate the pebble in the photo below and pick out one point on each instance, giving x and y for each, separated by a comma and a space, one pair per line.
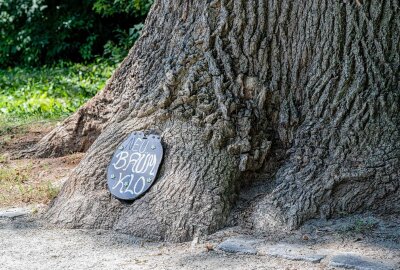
292, 252
238, 245
14, 212
350, 261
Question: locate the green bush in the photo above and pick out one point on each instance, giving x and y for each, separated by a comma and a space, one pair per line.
37, 32
48, 92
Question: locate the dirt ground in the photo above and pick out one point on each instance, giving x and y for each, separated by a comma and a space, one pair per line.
30, 181
27, 242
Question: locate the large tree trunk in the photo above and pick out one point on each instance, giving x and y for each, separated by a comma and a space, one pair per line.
299, 99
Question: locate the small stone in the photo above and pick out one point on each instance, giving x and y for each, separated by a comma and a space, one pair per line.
292, 252
350, 261
238, 245
14, 212
306, 237
209, 247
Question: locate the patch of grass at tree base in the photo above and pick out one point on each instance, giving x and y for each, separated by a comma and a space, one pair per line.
12, 125
32, 101
16, 187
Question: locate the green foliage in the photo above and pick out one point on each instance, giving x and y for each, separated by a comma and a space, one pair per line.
125, 37
138, 8
116, 51
49, 92
35, 32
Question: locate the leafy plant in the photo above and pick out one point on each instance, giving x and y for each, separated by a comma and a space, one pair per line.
49, 92
138, 8
117, 51
36, 32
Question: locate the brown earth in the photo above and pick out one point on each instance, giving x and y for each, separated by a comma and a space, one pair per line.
30, 181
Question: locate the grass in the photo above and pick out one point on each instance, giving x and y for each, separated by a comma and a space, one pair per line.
11, 125
3, 158
16, 187
37, 97
50, 92
21, 182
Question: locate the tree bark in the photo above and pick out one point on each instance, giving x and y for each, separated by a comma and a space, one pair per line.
299, 99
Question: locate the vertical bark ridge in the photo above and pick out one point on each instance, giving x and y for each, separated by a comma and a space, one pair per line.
336, 162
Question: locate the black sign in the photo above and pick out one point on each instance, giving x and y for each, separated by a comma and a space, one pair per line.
134, 166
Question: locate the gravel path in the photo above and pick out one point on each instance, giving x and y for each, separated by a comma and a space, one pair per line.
25, 244
31, 248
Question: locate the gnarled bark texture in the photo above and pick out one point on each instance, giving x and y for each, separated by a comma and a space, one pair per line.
302, 95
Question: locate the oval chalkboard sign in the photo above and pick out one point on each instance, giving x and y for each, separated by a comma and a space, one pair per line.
134, 165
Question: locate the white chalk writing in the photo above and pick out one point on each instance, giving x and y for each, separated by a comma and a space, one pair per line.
135, 161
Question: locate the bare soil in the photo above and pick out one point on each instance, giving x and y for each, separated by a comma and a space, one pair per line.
36, 181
